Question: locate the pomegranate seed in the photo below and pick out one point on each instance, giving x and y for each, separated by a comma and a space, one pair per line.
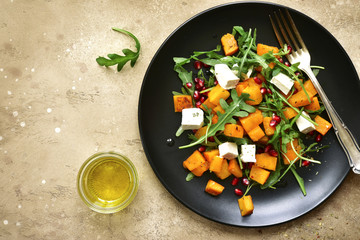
268, 148
216, 82
198, 65
257, 80
273, 123
289, 48
197, 87
263, 91
259, 150
196, 95
235, 181
276, 118
281, 60
249, 165
295, 91
311, 133
297, 73
202, 149
245, 181
211, 139
273, 153
189, 85
269, 91
318, 138
287, 64
201, 83
198, 104
238, 192
196, 80
205, 65
202, 99
194, 131
305, 163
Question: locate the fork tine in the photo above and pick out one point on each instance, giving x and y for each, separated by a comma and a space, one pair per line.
288, 29
277, 34
282, 29
292, 23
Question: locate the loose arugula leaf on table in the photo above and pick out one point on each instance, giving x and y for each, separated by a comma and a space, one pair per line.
114, 59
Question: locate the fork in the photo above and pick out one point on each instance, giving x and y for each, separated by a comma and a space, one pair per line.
301, 55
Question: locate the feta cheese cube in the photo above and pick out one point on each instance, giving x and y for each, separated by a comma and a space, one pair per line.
282, 82
228, 150
303, 124
225, 77
248, 153
192, 118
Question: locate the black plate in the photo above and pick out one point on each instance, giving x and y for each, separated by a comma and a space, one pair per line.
158, 121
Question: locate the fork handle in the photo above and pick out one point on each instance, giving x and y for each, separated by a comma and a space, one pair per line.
345, 137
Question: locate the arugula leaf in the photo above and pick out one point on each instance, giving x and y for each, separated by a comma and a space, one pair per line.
299, 179
114, 59
233, 109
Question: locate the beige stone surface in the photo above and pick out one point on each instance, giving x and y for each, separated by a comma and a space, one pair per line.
58, 107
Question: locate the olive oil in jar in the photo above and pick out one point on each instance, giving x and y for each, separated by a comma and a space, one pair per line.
107, 182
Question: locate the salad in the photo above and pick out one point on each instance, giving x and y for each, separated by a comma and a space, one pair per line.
249, 112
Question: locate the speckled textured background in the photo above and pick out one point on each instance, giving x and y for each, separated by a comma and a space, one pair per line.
57, 107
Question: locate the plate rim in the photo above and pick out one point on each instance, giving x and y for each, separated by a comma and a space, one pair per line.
163, 181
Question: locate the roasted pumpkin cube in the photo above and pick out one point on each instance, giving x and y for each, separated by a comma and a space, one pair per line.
208, 104
229, 44
269, 130
255, 95
259, 174
218, 108
194, 161
289, 113
262, 49
234, 168
218, 93
323, 126
224, 172
256, 134
252, 120
201, 132
216, 164
314, 105
199, 171
246, 205
290, 154
240, 87
214, 188
209, 155
265, 160
181, 102
233, 130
